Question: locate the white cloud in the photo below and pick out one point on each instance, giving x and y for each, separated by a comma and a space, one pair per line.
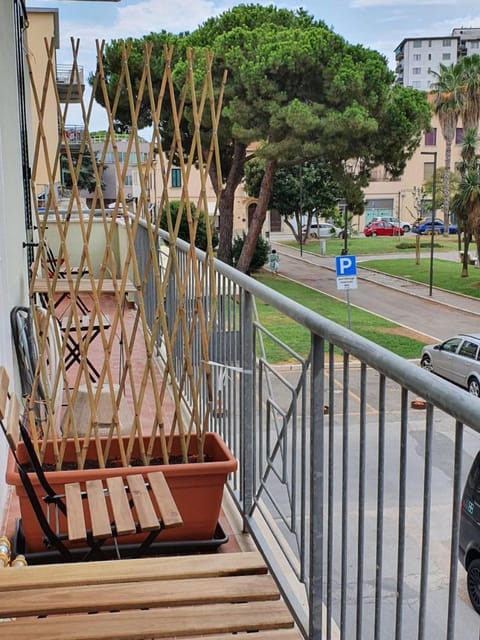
362, 4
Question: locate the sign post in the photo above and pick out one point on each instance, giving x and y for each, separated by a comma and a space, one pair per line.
346, 271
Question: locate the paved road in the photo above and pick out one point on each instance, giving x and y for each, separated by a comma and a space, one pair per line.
397, 299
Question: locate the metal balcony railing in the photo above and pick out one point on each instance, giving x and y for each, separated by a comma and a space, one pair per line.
349, 485
70, 83
65, 76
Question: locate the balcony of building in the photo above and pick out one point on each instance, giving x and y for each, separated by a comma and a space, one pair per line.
70, 83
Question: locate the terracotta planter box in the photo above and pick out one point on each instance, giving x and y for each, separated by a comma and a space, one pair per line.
197, 488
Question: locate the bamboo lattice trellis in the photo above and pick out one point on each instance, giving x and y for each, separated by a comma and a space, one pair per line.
122, 336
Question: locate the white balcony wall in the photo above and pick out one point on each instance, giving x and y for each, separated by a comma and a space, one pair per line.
13, 275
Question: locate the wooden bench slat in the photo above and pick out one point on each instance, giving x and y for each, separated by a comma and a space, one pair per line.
77, 530
4, 381
277, 634
122, 513
154, 623
13, 422
147, 517
97, 504
165, 502
132, 570
108, 597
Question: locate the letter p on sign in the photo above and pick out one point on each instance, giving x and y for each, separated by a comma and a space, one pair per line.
346, 266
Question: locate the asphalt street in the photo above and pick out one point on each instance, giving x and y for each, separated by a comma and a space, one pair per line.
404, 302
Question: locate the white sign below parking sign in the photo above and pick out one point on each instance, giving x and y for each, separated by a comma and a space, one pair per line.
346, 270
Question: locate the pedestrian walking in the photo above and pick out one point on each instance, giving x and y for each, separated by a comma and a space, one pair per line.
274, 261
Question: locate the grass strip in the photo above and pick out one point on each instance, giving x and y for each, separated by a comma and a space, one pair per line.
446, 273
388, 334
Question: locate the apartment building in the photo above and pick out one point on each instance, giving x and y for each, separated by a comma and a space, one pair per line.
416, 58
400, 197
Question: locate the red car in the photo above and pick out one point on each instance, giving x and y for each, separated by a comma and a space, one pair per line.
382, 228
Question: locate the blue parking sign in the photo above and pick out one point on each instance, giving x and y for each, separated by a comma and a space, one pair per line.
346, 266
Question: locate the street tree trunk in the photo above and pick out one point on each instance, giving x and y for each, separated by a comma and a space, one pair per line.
227, 201
258, 219
446, 185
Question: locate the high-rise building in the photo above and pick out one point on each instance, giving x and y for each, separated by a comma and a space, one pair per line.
417, 57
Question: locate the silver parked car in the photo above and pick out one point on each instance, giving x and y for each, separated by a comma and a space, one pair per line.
323, 230
457, 359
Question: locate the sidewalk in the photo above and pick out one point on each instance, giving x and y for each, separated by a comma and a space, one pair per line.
396, 299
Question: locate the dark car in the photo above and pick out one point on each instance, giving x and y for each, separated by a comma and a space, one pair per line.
469, 540
382, 228
425, 227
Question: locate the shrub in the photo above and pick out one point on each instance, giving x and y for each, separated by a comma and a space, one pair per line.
260, 255
183, 230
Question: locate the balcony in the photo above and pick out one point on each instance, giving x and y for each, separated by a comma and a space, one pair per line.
347, 484
323, 487
70, 84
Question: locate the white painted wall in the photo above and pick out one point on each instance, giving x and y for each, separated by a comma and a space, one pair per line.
13, 275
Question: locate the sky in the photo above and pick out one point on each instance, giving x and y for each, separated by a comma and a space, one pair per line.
376, 24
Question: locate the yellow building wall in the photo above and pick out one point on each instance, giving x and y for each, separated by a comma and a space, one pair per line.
43, 24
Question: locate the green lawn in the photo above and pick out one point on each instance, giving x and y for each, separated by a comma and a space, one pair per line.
361, 246
385, 333
446, 274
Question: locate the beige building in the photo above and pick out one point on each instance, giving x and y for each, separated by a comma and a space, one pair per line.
398, 197
43, 29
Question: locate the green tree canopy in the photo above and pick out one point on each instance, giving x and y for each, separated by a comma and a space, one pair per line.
296, 92
201, 238
305, 190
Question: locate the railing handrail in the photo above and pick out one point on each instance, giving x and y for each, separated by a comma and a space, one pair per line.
455, 401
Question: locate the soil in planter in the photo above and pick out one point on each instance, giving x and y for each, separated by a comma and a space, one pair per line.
115, 463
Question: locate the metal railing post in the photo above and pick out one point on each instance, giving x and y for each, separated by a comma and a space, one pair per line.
247, 409
315, 595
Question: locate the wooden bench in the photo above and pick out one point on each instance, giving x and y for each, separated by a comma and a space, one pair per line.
102, 512
213, 595
113, 500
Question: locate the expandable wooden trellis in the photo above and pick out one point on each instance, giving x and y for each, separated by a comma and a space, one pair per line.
125, 338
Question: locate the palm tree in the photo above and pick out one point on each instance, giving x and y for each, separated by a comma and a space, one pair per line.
466, 202
447, 104
470, 71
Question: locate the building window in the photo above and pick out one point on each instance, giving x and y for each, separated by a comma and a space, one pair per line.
417, 44
416, 84
429, 43
447, 43
417, 57
474, 45
429, 56
431, 137
176, 178
446, 56
417, 71
427, 170
459, 135
128, 181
